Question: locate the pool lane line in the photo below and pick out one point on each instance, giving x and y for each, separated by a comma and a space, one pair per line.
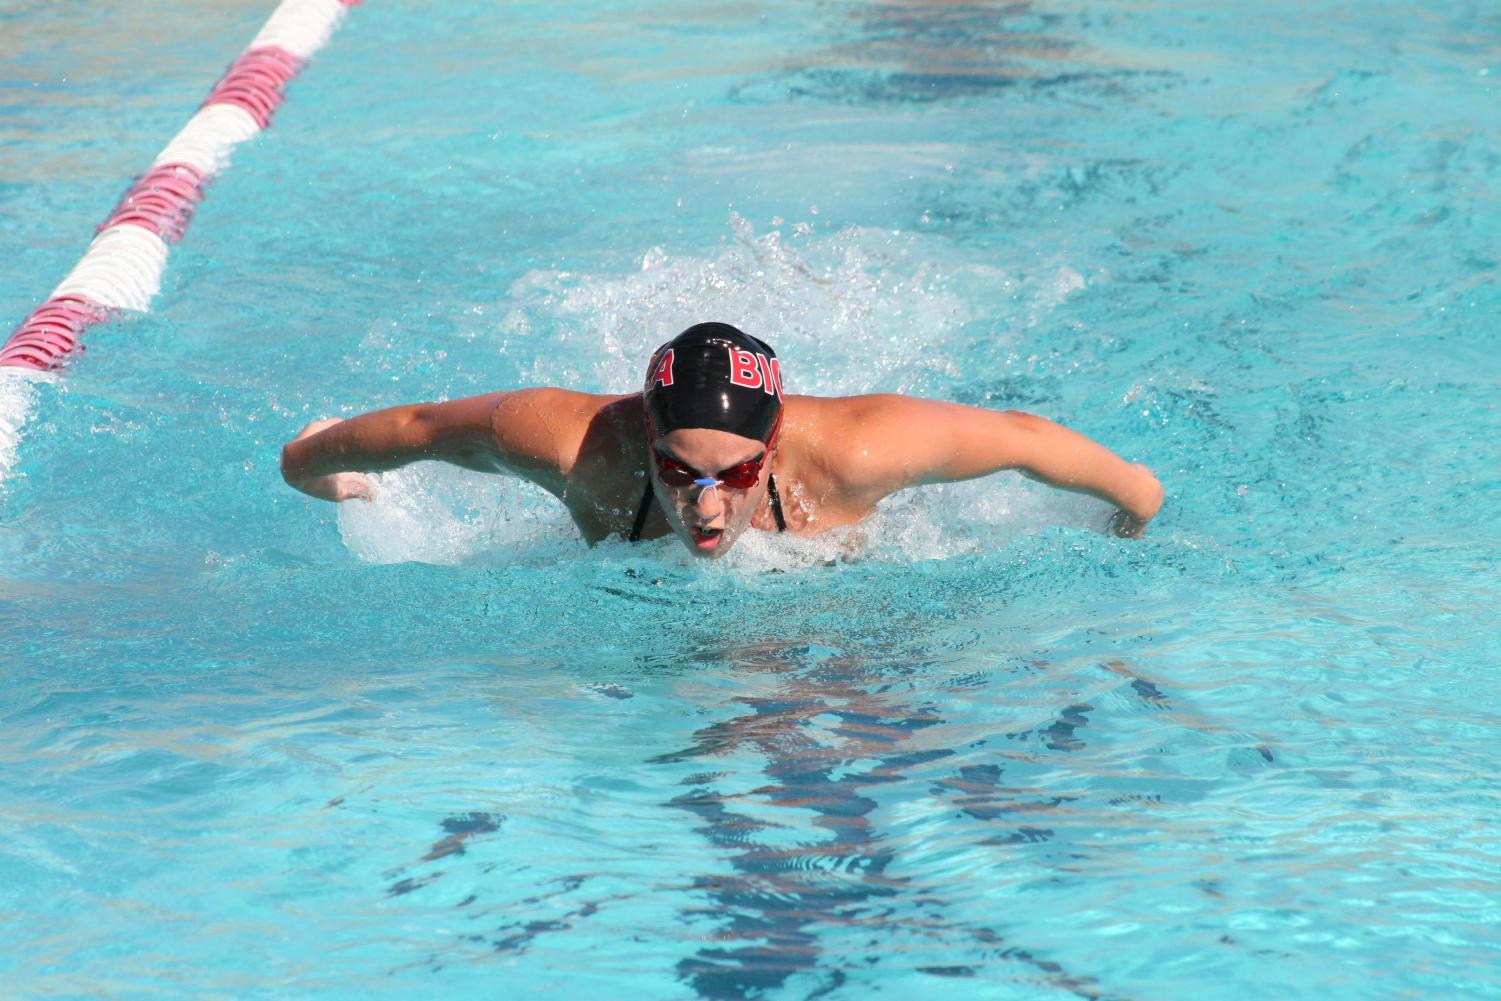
122, 268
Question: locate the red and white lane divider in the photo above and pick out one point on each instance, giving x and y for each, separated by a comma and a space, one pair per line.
123, 266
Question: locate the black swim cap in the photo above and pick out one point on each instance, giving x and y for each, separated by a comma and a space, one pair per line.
713, 375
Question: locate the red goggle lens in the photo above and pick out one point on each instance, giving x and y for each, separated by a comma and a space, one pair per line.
743, 476
673, 474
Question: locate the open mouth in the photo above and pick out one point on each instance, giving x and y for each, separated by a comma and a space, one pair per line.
706, 539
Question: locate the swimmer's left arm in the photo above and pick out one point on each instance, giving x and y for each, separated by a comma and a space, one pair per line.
927, 441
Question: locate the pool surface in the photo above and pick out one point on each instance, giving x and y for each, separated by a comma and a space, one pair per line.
252, 745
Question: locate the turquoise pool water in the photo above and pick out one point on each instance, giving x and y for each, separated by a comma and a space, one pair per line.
254, 746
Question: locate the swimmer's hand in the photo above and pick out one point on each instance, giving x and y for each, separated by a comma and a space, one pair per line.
1124, 525
333, 486
1147, 494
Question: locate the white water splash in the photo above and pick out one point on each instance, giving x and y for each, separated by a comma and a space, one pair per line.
858, 311
862, 310
429, 512
17, 402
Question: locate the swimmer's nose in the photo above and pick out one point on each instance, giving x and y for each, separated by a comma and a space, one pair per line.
707, 504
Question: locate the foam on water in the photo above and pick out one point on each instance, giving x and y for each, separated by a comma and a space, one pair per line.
17, 401
862, 310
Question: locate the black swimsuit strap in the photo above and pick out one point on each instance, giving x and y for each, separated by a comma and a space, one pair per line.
641, 513
645, 509
776, 502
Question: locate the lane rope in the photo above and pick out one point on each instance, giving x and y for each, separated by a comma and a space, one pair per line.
122, 268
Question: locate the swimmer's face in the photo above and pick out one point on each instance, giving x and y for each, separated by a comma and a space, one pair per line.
707, 519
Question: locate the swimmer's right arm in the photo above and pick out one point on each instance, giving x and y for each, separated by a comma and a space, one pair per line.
496, 432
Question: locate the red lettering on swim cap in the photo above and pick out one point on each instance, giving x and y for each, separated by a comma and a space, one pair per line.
775, 379
743, 371
768, 381
663, 374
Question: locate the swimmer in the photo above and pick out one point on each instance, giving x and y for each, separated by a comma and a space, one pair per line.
710, 448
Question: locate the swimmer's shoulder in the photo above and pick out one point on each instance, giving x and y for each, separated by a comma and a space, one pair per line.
853, 445
816, 437
832, 423
543, 430
565, 410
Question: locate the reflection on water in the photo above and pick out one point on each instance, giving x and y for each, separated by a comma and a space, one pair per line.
862, 814
829, 740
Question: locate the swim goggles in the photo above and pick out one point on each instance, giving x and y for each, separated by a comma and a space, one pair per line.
741, 477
